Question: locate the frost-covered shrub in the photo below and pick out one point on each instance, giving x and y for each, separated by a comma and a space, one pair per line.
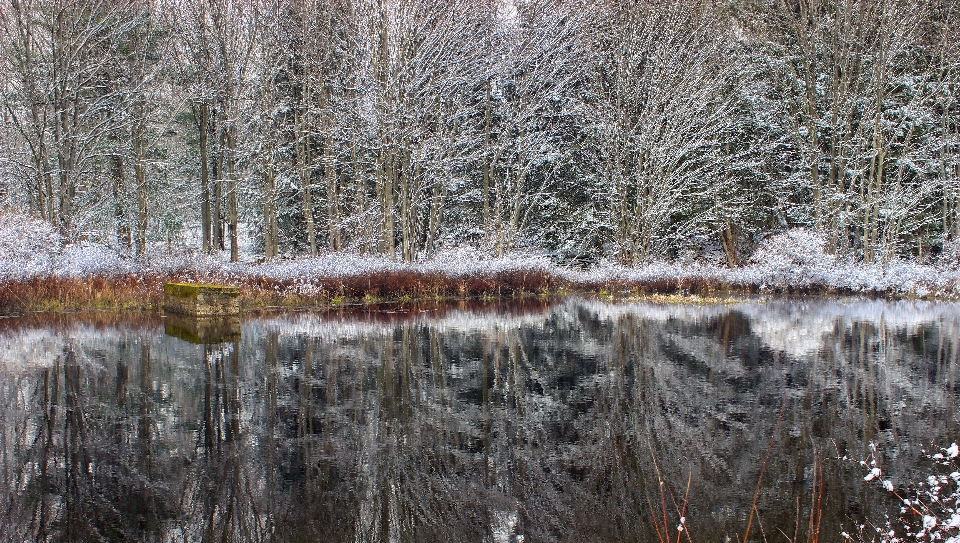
32, 248
466, 262
795, 247
28, 246
90, 260
796, 257
158, 260
22, 236
950, 255
929, 509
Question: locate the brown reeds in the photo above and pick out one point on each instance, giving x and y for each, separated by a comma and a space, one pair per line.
144, 292
695, 285
123, 292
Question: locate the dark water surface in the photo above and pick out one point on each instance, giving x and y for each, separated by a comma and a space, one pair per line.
530, 422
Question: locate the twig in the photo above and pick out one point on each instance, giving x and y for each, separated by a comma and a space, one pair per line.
763, 468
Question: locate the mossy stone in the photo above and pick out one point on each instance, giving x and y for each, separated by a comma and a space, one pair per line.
199, 300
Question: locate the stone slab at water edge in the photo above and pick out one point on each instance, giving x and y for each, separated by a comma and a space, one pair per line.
199, 300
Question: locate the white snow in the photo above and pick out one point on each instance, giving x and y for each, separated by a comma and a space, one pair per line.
932, 498
30, 248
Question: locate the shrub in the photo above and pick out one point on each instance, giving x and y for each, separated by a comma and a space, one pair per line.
795, 257
27, 246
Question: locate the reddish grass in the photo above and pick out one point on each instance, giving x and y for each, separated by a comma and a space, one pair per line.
71, 294
145, 292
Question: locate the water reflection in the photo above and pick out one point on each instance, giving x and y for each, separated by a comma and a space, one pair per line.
203, 330
527, 422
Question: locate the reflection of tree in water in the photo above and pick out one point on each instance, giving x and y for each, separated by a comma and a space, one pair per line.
79, 463
557, 425
222, 490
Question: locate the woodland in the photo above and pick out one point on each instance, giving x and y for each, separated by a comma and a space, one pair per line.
584, 131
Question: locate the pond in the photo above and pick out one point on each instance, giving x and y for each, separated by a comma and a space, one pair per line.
570, 420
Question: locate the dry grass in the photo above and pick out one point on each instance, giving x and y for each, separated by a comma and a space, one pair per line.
661, 286
128, 292
144, 292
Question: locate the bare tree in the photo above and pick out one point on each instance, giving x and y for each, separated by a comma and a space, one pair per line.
217, 43
859, 105
59, 60
664, 107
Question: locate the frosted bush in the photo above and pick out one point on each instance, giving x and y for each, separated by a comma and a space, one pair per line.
90, 259
950, 255
27, 246
796, 257
470, 262
158, 260
929, 510
33, 248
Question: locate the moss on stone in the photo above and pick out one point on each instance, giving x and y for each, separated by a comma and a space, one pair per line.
193, 290
198, 299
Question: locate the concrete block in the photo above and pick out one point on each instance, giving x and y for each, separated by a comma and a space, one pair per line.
199, 300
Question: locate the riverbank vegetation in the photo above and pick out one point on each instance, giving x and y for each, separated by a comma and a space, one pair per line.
41, 271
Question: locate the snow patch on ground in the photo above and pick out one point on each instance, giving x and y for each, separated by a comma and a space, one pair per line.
794, 260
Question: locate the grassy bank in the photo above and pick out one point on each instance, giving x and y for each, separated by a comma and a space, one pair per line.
143, 292
41, 271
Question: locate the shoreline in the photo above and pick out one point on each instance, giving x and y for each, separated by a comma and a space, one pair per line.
143, 292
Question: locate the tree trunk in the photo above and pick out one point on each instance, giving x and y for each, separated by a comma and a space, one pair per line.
232, 214
205, 226
305, 174
141, 179
729, 239
119, 193
388, 246
269, 211
487, 114
333, 196
436, 216
407, 223
216, 216
331, 178
63, 129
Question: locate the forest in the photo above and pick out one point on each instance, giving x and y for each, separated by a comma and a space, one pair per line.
583, 131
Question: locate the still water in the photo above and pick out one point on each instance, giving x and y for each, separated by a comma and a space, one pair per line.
575, 420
